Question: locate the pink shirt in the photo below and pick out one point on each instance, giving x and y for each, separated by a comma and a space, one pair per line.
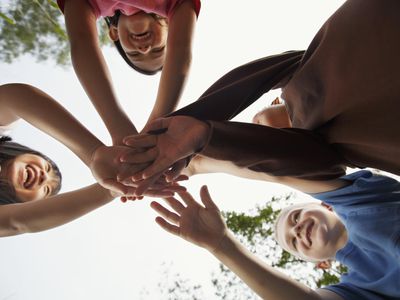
164, 8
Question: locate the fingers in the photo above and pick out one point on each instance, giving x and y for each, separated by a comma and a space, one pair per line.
176, 170
141, 141
165, 213
206, 198
140, 157
115, 186
144, 185
158, 126
187, 198
167, 227
127, 171
159, 166
175, 204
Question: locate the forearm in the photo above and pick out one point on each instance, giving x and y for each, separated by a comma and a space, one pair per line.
51, 212
172, 82
178, 59
203, 165
92, 72
43, 112
261, 278
279, 152
91, 68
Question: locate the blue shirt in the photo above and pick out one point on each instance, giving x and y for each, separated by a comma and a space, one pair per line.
370, 209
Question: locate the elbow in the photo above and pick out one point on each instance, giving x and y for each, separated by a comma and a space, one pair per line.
9, 88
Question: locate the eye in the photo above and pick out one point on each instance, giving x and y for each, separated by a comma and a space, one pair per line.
133, 54
296, 217
48, 168
47, 191
160, 49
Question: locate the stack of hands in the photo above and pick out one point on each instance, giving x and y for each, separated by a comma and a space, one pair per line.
150, 163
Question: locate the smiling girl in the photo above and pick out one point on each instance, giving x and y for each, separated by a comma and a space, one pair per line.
150, 36
29, 181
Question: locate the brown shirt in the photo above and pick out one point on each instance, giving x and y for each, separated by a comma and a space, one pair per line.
342, 95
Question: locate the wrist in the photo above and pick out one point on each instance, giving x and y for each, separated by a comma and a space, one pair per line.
93, 152
226, 243
204, 133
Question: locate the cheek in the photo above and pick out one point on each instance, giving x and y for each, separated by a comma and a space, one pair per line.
28, 195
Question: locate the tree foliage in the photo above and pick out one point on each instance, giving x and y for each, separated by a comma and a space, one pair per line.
35, 27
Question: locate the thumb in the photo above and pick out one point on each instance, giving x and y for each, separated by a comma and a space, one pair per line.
206, 198
158, 126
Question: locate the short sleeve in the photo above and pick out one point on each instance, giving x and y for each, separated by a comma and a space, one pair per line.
6, 130
365, 187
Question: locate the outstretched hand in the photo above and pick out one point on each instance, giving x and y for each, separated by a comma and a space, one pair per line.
198, 224
168, 143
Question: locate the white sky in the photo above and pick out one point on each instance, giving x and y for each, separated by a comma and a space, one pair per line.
118, 250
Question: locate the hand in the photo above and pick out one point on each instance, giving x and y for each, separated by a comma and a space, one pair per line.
170, 140
106, 165
200, 225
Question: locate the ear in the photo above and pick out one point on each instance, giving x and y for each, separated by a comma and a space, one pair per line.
326, 264
327, 206
113, 33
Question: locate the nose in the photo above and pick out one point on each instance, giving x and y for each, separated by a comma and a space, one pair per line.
43, 176
144, 48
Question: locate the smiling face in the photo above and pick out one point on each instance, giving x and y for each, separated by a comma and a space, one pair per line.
143, 38
32, 177
311, 231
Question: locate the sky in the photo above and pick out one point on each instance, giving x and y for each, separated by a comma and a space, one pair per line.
118, 251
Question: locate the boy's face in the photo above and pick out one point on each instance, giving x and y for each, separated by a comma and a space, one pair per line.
143, 39
311, 231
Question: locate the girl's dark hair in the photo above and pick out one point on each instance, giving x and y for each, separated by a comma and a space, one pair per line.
113, 21
10, 150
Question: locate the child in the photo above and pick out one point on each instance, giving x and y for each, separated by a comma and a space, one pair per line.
27, 176
363, 233
150, 35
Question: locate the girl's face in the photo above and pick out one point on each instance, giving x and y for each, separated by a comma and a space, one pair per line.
32, 177
311, 231
143, 39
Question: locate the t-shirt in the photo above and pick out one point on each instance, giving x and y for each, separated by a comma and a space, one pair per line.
370, 210
342, 95
6, 129
107, 8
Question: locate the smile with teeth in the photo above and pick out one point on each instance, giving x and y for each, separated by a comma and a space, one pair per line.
29, 177
141, 36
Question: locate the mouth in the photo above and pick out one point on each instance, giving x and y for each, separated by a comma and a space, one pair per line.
141, 36
308, 233
29, 177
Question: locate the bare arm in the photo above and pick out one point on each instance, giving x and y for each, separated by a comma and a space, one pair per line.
91, 68
51, 212
178, 60
203, 225
42, 111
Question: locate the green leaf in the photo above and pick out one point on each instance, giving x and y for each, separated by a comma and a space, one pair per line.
7, 19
